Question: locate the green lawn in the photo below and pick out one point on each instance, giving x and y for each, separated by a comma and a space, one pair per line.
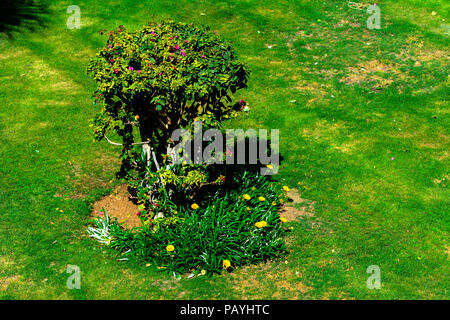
367, 137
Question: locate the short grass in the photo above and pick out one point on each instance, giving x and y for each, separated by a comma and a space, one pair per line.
363, 117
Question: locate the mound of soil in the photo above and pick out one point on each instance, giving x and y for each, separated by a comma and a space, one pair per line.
118, 204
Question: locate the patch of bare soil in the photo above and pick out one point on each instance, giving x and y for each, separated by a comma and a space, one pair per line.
296, 207
118, 204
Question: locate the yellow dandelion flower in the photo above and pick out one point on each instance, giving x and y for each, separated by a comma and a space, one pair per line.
274, 203
248, 208
61, 210
286, 188
194, 206
261, 224
136, 117
262, 199
226, 264
247, 197
203, 272
269, 166
170, 248
283, 219
253, 188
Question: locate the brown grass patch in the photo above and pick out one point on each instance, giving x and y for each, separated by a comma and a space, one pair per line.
6, 281
444, 179
6, 263
311, 87
343, 22
325, 131
353, 145
420, 55
268, 279
430, 55
12, 53
64, 86
297, 207
266, 12
371, 72
276, 62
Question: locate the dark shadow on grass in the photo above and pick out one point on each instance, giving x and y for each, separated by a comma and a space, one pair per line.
237, 172
16, 15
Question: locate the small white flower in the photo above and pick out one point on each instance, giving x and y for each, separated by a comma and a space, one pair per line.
160, 215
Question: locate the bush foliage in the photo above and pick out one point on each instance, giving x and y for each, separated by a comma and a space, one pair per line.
161, 78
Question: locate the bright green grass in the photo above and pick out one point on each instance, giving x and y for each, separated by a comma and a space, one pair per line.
336, 139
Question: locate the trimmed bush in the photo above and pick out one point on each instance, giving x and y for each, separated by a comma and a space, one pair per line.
161, 78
